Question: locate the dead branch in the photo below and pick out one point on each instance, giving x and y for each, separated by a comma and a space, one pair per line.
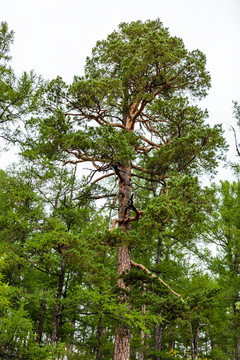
102, 177
114, 222
155, 276
235, 137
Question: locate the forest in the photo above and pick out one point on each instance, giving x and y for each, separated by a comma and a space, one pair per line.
112, 246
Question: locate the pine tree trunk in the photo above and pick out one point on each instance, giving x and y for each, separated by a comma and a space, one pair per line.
236, 312
141, 353
195, 339
195, 342
144, 339
70, 345
158, 328
99, 335
158, 334
59, 295
41, 322
122, 336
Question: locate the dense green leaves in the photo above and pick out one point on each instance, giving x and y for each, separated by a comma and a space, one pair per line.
145, 57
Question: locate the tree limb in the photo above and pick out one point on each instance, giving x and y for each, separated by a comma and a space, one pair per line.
235, 137
102, 177
155, 276
131, 218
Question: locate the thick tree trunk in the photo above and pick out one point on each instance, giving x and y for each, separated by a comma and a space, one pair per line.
58, 305
122, 336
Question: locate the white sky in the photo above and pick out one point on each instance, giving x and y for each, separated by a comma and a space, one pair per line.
53, 37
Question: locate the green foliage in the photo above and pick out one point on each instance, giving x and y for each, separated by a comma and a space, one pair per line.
19, 96
185, 138
145, 57
128, 118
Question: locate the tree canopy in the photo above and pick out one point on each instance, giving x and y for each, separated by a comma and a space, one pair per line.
105, 227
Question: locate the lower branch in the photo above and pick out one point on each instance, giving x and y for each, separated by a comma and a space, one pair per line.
155, 276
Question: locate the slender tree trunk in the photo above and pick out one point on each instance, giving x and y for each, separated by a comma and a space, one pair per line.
158, 328
141, 353
41, 322
159, 250
186, 352
122, 336
195, 342
158, 334
195, 339
59, 295
70, 346
99, 335
172, 344
236, 312
236, 328
144, 338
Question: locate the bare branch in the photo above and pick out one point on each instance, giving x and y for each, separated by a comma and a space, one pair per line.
160, 90
235, 137
158, 278
188, 162
151, 142
102, 177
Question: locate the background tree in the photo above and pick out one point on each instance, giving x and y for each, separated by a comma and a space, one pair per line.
226, 264
18, 96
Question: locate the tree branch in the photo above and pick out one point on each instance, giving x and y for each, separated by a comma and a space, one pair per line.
150, 142
102, 177
235, 137
131, 218
158, 278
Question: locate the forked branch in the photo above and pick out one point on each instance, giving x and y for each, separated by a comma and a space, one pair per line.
125, 221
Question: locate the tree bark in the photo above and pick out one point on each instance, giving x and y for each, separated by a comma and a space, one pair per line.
70, 345
195, 342
236, 312
41, 322
122, 335
99, 336
158, 328
59, 295
158, 334
195, 339
144, 339
159, 250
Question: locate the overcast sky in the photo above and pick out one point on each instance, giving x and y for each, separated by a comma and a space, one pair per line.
53, 37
